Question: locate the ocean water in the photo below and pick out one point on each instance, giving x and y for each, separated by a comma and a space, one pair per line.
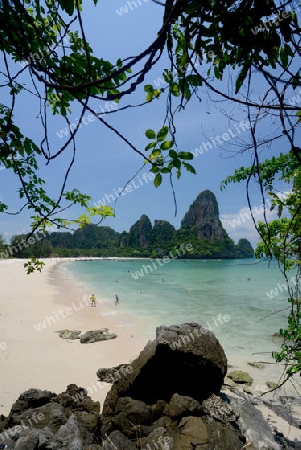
227, 296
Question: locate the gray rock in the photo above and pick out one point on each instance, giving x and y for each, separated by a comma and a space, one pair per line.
30, 442
217, 409
32, 398
96, 336
184, 359
248, 390
181, 405
252, 424
130, 414
69, 334
272, 384
112, 374
159, 439
117, 440
289, 412
68, 421
240, 377
228, 382
256, 365
196, 433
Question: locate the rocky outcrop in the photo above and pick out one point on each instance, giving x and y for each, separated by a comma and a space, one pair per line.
163, 232
140, 232
69, 334
88, 337
114, 373
240, 377
202, 226
172, 397
96, 336
264, 434
45, 420
184, 360
203, 215
244, 249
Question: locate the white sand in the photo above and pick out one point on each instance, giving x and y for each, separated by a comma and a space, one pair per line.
40, 359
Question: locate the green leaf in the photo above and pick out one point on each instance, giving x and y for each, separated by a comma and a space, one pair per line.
67, 5
185, 155
161, 135
158, 179
166, 145
176, 163
149, 97
284, 57
217, 73
150, 134
174, 89
150, 145
241, 78
148, 88
155, 154
173, 154
189, 167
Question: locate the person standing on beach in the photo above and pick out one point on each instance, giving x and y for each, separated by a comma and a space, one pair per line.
116, 300
93, 300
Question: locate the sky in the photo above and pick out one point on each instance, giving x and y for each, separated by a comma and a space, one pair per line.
103, 164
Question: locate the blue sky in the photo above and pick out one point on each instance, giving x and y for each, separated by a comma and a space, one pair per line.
104, 163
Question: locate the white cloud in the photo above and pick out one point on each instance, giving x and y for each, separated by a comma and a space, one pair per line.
240, 225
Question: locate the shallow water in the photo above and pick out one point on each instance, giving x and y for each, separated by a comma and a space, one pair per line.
228, 296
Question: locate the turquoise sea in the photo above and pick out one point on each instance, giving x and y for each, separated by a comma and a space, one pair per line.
228, 296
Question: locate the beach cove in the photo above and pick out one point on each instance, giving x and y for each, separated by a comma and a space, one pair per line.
33, 307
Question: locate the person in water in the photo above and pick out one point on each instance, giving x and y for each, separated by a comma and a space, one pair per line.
93, 300
116, 300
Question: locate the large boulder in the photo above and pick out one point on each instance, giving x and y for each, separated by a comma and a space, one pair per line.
185, 359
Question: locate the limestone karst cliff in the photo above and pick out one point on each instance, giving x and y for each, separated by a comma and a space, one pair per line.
201, 228
203, 215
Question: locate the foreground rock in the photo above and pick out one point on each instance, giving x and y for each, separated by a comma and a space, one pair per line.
45, 420
114, 373
184, 359
170, 397
268, 425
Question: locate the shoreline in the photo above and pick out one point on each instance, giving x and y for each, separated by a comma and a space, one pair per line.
40, 359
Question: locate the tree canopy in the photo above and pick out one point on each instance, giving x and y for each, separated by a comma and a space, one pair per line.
244, 52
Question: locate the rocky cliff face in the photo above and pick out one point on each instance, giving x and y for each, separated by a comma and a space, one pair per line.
140, 232
163, 232
244, 249
203, 214
200, 228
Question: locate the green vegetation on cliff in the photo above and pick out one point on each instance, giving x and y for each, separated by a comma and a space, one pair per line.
200, 228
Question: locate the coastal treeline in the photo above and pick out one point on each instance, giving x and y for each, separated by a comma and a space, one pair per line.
95, 240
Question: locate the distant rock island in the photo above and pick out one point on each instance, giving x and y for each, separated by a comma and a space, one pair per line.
200, 227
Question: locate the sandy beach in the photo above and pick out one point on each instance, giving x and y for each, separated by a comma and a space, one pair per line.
32, 309
32, 355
